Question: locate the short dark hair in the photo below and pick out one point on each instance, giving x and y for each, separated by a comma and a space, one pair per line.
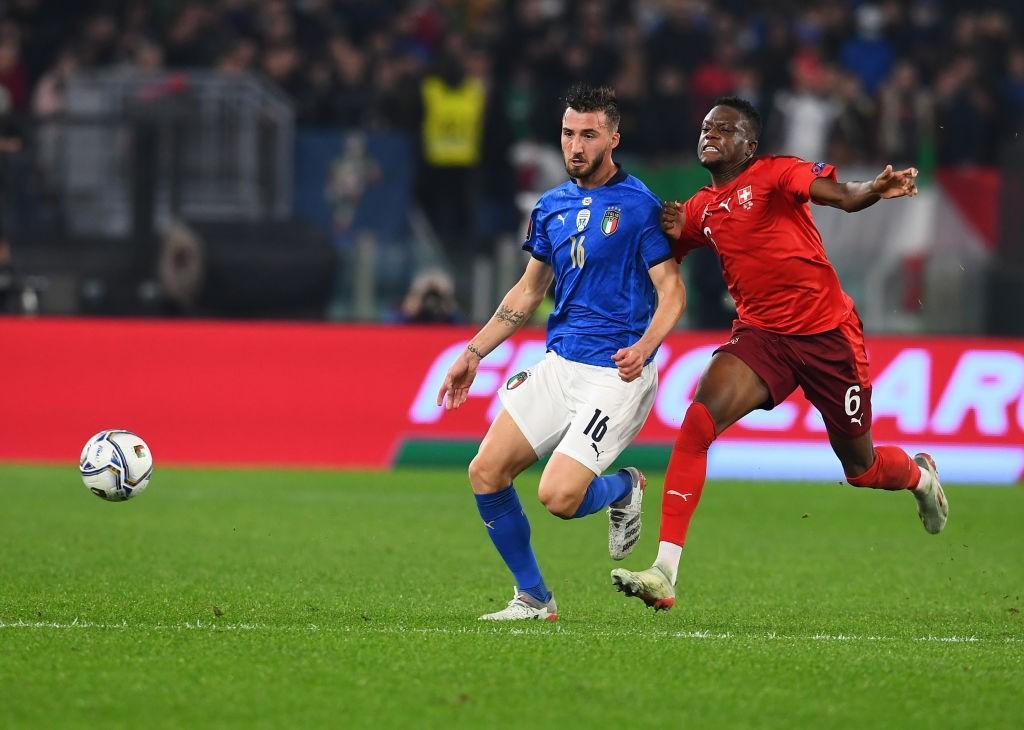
586, 98
744, 107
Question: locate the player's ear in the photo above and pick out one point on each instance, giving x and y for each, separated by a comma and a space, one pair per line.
751, 147
615, 139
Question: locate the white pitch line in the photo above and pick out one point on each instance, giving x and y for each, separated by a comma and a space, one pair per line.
213, 626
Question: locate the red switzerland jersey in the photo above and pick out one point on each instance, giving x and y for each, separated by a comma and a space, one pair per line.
772, 257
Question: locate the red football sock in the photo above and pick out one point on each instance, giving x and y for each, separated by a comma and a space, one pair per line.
687, 469
893, 469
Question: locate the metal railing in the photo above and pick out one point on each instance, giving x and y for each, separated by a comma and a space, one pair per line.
132, 152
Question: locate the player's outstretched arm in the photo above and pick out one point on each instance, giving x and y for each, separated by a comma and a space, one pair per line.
514, 311
671, 303
854, 196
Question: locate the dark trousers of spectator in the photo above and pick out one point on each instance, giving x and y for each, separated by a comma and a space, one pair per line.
447, 195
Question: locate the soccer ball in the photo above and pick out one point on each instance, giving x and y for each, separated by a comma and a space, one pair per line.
116, 465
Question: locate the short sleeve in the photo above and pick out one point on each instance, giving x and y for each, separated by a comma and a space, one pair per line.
691, 238
654, 245
537, 242
796, 176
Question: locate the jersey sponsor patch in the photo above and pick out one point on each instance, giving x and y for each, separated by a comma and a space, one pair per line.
516, 380
582, 219
610, 222
818, 167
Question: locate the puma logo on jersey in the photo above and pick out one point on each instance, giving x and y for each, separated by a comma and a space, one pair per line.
596, 451
561, 218
857, 420
725, 204
686, 497
489, 525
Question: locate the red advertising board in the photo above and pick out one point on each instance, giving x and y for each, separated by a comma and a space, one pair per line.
343, 395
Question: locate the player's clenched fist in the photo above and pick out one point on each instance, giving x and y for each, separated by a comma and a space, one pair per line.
672, 218
630, 363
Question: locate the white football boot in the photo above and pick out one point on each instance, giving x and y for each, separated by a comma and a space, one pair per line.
932, 507
524, 607
651, 586
624, 522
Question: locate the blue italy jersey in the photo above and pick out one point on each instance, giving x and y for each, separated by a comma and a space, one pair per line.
600, 244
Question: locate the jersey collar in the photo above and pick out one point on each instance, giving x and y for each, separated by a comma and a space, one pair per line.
615, 179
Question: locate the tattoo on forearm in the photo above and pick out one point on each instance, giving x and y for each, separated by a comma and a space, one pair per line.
509, 317
475, 351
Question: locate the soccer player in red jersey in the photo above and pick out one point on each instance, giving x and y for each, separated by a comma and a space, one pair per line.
795, 326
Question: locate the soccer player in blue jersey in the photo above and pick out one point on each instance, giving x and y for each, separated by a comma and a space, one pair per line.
617, 294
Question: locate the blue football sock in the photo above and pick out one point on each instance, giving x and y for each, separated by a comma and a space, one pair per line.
509, 530
603, 491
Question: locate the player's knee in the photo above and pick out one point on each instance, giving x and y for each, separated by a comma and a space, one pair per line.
698, 430
558, 503
486, 477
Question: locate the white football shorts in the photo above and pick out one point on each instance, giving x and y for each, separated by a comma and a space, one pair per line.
583, 411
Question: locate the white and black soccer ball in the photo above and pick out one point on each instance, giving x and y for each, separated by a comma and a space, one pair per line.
116, 465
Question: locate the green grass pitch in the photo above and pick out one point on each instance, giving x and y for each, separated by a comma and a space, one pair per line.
316, 598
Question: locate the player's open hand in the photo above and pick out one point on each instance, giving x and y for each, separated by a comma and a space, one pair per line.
672, 216
456, 385
630, 362
896, 183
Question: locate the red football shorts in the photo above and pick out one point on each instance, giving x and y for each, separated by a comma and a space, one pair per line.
830, 367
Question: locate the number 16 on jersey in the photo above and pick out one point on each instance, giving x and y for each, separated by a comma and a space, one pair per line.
576, 251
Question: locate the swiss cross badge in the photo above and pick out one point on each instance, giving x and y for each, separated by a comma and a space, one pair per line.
610, 221
746, 197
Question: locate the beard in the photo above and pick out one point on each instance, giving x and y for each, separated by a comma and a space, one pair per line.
586, 171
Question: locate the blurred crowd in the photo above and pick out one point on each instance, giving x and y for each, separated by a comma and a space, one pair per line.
477, 82
839, 79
